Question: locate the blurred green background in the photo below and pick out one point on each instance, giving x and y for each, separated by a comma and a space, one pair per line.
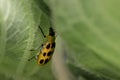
87, 37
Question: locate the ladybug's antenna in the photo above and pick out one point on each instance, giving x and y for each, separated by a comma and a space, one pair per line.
42, 32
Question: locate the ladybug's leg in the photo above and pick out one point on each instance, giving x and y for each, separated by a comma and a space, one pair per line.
35, 49
34, 57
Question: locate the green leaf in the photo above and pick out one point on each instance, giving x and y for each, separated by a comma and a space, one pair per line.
91, 30
19, 21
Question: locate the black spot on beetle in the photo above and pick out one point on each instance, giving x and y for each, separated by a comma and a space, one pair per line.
44, 54
49, 53
46, 60
53, 45
48, 46
41, 61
